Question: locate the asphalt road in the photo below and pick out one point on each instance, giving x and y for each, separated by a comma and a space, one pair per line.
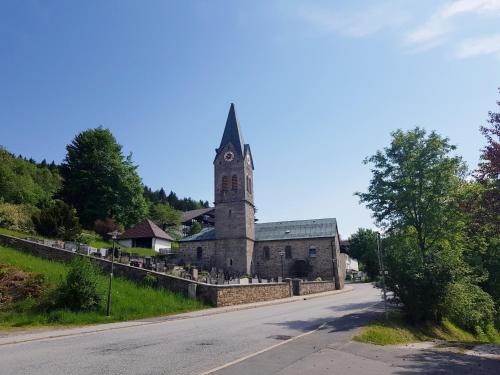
187, 346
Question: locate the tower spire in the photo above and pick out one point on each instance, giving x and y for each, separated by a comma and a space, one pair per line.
232, 132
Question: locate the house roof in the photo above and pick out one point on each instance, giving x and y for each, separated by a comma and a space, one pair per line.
193, 214
282, 230
232, 132
145, 229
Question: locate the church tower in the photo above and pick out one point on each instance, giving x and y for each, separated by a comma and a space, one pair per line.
234, 201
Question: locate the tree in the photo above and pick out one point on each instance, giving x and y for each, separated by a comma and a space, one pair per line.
23, 182
363, 247
413, 183
412, 194
100, 182
194, 228
80, 290
58, 220
165, 216
489, 168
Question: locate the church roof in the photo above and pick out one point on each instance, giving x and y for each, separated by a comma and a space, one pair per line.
282, 230
289, 230
145, 229
232, 132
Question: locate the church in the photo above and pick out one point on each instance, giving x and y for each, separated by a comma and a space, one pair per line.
237, 245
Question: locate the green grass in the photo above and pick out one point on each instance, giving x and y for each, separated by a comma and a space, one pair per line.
143, 252
396, 331
15, 233
93, 240
130, 300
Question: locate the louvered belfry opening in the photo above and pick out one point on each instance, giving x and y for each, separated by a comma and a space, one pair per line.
234, 182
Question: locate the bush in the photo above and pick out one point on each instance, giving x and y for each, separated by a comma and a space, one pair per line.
80, 290
58, 220
103, 227
150, 280
16, 217
469, 306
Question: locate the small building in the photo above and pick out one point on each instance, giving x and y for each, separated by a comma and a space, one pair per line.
147, 235
204, 216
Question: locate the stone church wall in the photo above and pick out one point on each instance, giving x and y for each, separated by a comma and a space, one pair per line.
318, 266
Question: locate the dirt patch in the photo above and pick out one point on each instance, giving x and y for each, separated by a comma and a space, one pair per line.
16, 285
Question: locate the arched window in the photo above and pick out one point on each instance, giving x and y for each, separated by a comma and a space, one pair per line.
249, 184
225, 183
199, 253
267, 253
234, 182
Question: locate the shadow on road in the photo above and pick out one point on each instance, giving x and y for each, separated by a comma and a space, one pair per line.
437, 362
345, 323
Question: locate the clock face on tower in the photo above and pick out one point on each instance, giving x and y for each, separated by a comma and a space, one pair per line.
229, 156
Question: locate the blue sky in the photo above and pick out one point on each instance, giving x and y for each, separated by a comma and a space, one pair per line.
318, 86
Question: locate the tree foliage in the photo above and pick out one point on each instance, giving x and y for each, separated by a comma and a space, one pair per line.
17, 217
412, 195
194, 229
24, 182
165, 216
180, 204
80, 290
363, 247
100, 182
57, 220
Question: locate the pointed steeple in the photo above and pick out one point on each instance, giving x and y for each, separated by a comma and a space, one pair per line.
232, 132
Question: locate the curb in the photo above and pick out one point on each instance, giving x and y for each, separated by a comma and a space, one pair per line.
80, 331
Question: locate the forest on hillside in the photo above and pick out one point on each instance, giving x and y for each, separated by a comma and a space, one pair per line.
95, 188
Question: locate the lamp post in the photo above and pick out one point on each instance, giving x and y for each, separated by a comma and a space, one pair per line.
382, 271
114, 235
282, 254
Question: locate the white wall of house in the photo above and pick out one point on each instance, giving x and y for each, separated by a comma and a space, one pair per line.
159, 243
352, 264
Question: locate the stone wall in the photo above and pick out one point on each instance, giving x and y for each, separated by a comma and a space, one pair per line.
311, 287
228, 295
215, 295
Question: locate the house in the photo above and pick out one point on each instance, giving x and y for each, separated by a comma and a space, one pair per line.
204, 216
147, 235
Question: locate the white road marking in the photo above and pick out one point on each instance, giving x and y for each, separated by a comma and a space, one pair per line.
229, 364
244, 358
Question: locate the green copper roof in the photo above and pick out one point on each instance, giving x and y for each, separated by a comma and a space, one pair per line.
283, 230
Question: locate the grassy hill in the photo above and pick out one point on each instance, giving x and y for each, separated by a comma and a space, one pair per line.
130, 300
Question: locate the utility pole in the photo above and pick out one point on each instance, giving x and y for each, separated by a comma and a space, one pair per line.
382, 272
114, 235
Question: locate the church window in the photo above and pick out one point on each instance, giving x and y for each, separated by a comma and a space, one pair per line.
234, 183
312, 252
249, 184
199, 253
288, 252
267, 253
225, 183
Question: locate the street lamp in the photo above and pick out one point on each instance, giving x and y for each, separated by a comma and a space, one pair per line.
114, 235
282, 254
382, 271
